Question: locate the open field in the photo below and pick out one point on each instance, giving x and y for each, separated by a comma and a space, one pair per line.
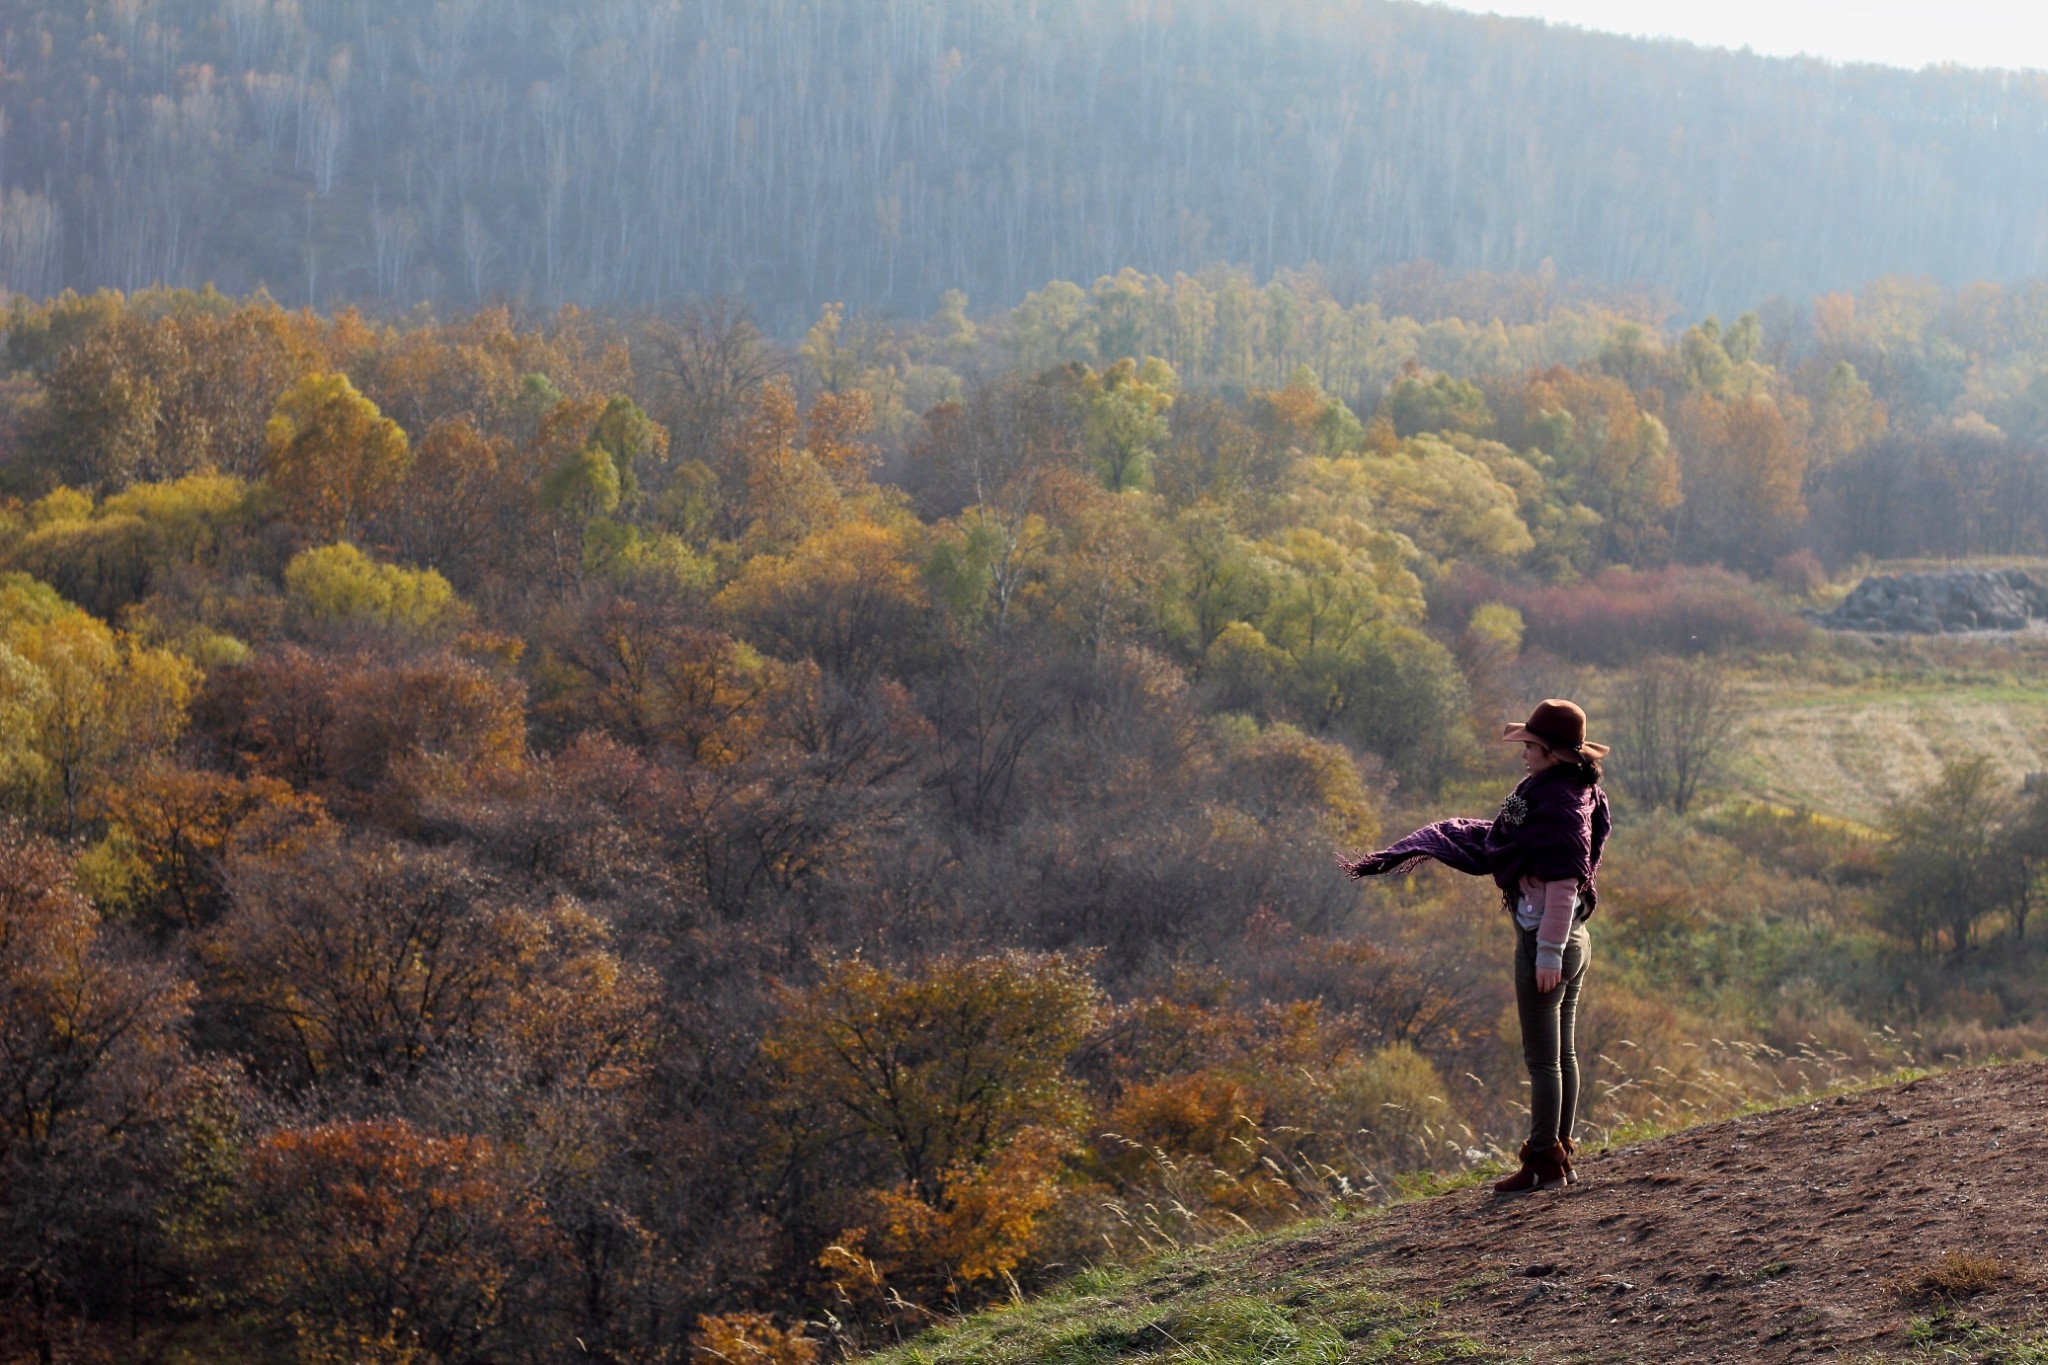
1851, 751
1862, 721
1858, 721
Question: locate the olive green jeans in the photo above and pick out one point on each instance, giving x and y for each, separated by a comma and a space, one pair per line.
1550, 1026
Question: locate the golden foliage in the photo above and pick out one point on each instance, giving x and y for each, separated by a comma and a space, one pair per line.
749, 1339
833, 430
986, 1219
958, 1074
182, 826
333, 459
86, 701
341, 584
847, 596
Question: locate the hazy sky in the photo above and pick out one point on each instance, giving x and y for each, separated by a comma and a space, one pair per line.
1910, 33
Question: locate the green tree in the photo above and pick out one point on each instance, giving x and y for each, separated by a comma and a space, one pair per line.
583, 487
1052, 327
1944, 867
1847, 416
1124, 416
1418, 406
1318, 616
1221, 577
1632, 354
1708, 365
637, 445
1404, 698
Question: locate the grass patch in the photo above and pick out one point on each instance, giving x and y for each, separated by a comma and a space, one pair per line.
1194, 1309
1946, 1335
1429, 1184
1958, 1275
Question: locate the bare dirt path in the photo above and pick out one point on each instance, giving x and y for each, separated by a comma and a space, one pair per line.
1788, 1236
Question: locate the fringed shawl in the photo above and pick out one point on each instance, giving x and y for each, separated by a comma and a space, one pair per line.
1553, 826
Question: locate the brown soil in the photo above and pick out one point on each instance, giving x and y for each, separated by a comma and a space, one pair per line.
1807, 1233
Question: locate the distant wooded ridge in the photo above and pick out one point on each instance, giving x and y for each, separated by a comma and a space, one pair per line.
880, 152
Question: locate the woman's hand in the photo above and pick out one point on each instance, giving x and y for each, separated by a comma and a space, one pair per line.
1548, 979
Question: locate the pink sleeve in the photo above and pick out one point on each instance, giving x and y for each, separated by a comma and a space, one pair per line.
1558, 899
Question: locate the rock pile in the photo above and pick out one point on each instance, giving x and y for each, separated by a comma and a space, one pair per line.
1934, 603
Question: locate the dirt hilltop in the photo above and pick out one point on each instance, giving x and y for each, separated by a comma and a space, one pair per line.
1902, 1223
1814, 1232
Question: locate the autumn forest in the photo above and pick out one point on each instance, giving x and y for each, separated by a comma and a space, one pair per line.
595, 762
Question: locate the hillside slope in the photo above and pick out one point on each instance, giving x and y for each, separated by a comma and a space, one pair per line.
881, 153
1900, 1223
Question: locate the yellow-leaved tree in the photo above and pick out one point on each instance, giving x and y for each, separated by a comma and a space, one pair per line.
953, 1084
1123, 411
341, 584
332, 457
1448, 503
81, 702
848, 596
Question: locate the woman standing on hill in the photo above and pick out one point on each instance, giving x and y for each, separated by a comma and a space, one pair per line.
1542, 850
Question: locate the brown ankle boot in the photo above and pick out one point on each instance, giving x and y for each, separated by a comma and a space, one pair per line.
1539, 1170
1568, 1154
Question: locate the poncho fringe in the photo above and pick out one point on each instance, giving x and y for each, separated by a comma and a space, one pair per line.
1552, 826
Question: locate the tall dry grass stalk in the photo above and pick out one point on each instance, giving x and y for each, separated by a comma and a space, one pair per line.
1178, 1201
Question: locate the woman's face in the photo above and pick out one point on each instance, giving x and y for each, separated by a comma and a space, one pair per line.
1535, 758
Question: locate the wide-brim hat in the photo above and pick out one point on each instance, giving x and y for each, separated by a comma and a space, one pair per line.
1557, 725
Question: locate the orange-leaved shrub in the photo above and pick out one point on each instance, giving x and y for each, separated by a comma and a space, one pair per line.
372, 1240
749, 1339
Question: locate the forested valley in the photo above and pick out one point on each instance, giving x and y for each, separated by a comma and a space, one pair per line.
682, 681
534, 837
881, 152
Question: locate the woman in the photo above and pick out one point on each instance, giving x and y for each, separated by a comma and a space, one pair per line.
1542, 850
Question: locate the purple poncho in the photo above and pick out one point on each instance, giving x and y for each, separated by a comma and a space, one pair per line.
1552, 826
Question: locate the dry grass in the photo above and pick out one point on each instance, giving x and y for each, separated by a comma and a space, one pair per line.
1851, 753
1956, 1276
1179, 1203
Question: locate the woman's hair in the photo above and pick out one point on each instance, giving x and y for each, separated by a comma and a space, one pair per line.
1583, 764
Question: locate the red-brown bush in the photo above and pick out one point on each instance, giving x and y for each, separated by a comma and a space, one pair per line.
1621, 615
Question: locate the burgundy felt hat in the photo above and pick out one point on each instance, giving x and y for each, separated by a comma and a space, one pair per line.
1559, 725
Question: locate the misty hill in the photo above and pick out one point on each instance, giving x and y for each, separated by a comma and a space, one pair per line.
879, 152
1901, 1223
